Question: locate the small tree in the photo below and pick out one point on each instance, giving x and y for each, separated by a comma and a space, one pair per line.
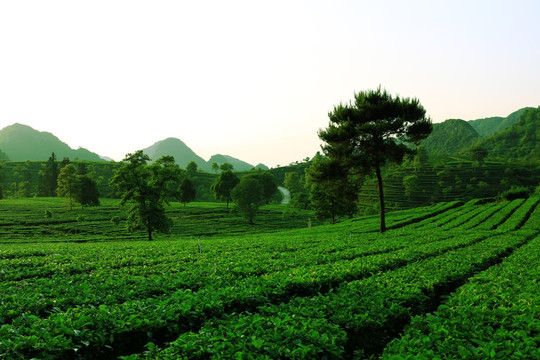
146, 188
68, 183
88, 194
187, 191
267, 182
48, 178
295, 184
479, 154
223, 186
226, 167
215, 167
191, 169
333, 189
362, 134
410, 183
248, 196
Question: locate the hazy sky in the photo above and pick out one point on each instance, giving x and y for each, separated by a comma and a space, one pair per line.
254, 79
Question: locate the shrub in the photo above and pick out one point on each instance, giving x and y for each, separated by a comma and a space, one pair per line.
516, 193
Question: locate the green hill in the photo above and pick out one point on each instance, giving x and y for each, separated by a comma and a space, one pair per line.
21, 142
450, 137
519, 141
493, 125
178, 149
238, 165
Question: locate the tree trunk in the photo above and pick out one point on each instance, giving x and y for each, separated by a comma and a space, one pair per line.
381, 196
149, 234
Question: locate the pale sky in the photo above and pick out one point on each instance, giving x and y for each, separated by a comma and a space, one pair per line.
254, 79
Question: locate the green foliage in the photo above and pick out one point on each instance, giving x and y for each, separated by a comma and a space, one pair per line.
478, 154
48, 178
226, 167
116, 220
268, 185
248, 195
68, 183
333, 189
88, 194
362, 134
146, 189
490, 126
450, 137
191, 169
516, 193
519, 141
411, 185
187, 191
336, 292
297, 187
223, 186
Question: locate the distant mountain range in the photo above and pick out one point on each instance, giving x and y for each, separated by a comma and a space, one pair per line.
515, 136
20, 142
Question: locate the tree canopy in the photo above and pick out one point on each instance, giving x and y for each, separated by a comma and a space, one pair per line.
223, 186
146, 189
364, 133
248, 195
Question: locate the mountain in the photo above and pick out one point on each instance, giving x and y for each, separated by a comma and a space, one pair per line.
519, 141
450, 137
21, 142
183, 155
493, 125
238, 165
175, 147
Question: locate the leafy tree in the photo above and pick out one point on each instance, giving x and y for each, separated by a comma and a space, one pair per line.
191, 169
333, 189
81, 168
146, 189
295, 184
410, 183
48, 178
226, 167
223, 186
421, 157
65, 161
362, 134
479, 154
248, 195
215, 167
68, 183
187, 191
267, 182
88, 194
22, 173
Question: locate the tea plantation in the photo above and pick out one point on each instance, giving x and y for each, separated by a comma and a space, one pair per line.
454, 280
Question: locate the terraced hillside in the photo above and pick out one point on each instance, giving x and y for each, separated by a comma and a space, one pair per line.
439, 283
455, 180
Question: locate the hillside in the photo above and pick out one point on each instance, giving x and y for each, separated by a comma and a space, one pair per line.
238, 165
183, 155
178, 149
493, 125
21, 142
450, 137
519, 141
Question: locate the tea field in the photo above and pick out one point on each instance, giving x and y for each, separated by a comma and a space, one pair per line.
454, 280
